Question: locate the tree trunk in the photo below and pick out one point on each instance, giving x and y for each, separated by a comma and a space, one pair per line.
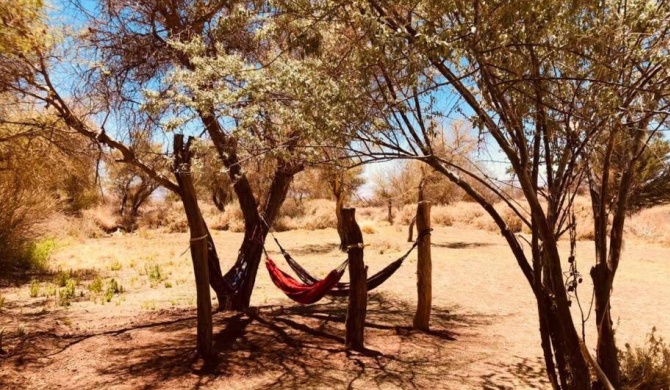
216, 281
338, 192
606, 345
572, 367
355, 321
255, 232
603, 278
199, 236
424, 268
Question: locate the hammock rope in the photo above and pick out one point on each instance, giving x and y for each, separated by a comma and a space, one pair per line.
341, 289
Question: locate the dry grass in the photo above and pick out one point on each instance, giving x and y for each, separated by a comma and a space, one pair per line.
651, 225
168, 217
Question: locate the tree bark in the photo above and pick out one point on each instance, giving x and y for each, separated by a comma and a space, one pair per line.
198, 245
256, 231
338, 192
355, 321
424, 270
606, 345
572, 367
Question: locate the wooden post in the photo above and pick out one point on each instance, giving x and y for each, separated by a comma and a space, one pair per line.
411, 230
424, 268
199, 234
390, 211
358, 295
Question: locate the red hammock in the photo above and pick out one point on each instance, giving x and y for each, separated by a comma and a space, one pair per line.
304, 293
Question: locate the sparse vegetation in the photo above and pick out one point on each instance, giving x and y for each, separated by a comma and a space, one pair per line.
96, 285
646, 367
116, 266
67, 293
154, 273
34, 288
113, 288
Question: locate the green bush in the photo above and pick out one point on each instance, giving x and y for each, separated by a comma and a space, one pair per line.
40, 253
113, 287
646, 367
96, 285
154, 274
68, 293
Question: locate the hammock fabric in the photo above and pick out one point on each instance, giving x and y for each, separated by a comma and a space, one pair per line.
305, 293
237, 274
342, 289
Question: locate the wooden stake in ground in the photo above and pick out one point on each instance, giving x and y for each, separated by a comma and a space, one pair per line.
358, 295
196, 225
424, 269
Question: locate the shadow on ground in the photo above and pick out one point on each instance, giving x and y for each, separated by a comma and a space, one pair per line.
314, 249
460, 245
274, 347
19, 277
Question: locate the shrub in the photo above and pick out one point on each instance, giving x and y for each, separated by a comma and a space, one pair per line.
113, 287
292, 208
442, 217
512, 220
368, 228
96, 285
283, 224
153, 272
646, 367
67, 294
40, 253
34, 288
21, 210
116, 266
62, 278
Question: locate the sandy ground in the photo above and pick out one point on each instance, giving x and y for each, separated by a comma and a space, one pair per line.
485, 332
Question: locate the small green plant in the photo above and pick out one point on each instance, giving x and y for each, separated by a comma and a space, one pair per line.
168, 285
50, 290
96, 285
21, 331
67, 293
113, 287
646, 367
62, 278
34, 288
149, 305
154, 274
116, 266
